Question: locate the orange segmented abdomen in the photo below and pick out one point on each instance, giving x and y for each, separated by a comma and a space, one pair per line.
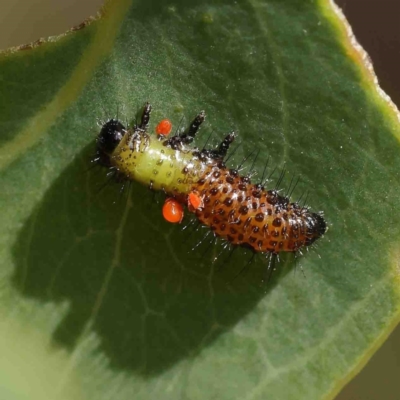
246, 214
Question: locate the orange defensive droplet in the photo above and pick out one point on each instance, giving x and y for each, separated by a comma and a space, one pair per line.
194, 200
164, 127
172, 211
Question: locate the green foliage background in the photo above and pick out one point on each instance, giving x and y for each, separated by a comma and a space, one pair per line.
102, 300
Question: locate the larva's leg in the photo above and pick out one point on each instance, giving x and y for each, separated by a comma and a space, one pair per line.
145, 118
188, 135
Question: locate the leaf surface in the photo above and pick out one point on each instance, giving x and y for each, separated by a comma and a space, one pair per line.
102, 299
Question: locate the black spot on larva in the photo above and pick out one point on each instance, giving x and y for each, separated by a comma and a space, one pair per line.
230, 180
233, 231
259, 217
256, 229
243, 210
254, 205
285, 216
272, 197
284, 231
297, 212
233, 172
225, 190
206, 199
275, 233
228, 201
240, 237
283, 201
216, 174
252, 239
277, 222
273, 243
214, 191
268, 211
240, 199
245, 179
242, 186
216, 220
230, 238
260, 244
222, 227
201, 181
280, 245
221, 165
185, 170
221, 211
247, 246
256, 194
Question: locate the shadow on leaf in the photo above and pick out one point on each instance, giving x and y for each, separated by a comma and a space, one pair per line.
129, 276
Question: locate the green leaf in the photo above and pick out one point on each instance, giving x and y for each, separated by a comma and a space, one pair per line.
102, 299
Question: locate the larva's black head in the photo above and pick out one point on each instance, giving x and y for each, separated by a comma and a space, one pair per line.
316, 227
108, 139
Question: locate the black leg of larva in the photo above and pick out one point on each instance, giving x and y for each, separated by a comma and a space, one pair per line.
144, 120
188, 135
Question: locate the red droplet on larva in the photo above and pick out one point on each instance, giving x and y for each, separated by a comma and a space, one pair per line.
172, 211
195, 200
164, 127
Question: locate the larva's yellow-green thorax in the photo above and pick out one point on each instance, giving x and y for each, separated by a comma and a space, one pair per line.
147, 160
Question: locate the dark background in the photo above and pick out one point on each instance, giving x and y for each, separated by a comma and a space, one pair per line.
376, 24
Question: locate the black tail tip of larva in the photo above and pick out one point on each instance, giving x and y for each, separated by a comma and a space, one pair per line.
316, 227
320, 224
